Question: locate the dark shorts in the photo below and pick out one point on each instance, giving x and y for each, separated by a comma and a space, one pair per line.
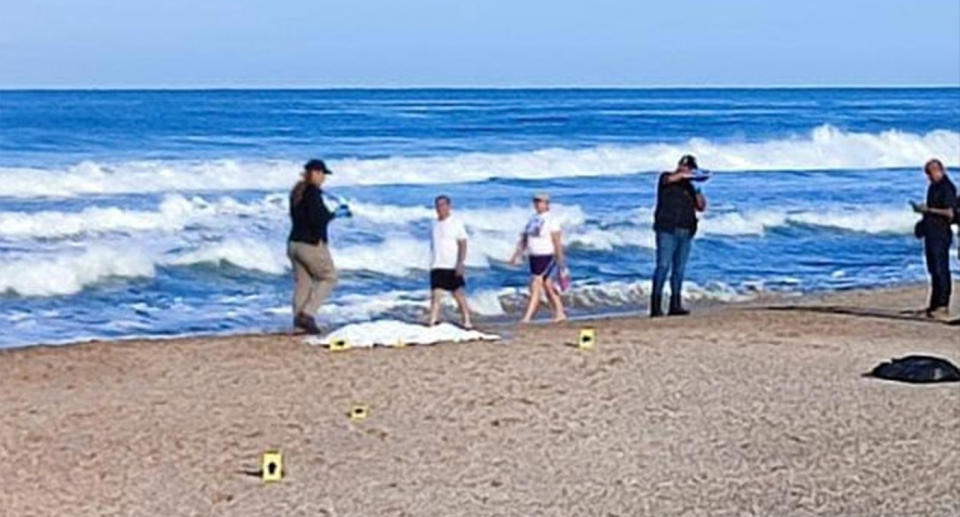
542, 265
446, 279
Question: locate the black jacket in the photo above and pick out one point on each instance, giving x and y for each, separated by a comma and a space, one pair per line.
676, 206
310, 217
941, 194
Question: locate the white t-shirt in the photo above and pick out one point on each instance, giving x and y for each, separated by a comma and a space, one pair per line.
443, 244
539, 231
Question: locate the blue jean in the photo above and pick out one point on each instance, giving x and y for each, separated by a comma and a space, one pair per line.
673, 248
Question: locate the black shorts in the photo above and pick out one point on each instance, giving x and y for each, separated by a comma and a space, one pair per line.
542, 265
446, 279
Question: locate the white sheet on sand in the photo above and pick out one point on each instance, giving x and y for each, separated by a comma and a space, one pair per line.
392, 332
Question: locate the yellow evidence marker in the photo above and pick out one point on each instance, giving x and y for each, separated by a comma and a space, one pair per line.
358, 412
339, 344
588, 338
271, 466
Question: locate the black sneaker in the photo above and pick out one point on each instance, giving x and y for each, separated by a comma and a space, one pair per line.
679, 312
307, 323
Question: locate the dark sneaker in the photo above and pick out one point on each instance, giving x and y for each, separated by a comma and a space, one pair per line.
307, 323
656, 314
679, 312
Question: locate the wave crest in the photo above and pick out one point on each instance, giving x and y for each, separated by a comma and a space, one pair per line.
825, 147
175, 212
70, 274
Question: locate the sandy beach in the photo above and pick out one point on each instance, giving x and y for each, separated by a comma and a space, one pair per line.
737, 410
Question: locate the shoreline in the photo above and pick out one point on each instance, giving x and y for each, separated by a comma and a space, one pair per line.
734, 409
497, 323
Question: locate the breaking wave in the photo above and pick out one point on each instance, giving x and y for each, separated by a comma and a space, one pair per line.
69, 274
399, 253
174, 213
870, 220
825, 147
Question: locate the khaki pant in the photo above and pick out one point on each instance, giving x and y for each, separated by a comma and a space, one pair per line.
314, 274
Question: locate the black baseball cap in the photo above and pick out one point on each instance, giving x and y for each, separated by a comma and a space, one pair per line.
689, 161
317, 165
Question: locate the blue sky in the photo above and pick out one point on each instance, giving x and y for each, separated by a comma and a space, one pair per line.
317, 43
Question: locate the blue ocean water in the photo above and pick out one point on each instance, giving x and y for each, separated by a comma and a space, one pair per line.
132, 213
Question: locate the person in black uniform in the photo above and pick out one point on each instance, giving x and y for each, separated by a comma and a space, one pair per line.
675, 223
313, 269
939, 212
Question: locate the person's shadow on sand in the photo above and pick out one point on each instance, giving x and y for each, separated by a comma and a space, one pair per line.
865, 312
915, 369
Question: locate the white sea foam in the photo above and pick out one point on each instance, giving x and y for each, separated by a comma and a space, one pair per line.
413, 305
72, 271
48, 224
596, 239
485, 302
389, 214
508, 218
737, 223
177, 212
244, 253
359, 307
872, 220
617, 294
174, 213
68, 274
398, 254
826, 147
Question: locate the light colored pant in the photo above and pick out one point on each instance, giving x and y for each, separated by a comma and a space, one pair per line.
314, 274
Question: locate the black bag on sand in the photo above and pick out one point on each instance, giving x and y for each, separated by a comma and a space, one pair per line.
917, 369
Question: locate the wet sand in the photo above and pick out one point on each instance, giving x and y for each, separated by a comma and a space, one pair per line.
736, 410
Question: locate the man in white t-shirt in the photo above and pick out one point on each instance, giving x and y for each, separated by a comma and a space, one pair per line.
448, 246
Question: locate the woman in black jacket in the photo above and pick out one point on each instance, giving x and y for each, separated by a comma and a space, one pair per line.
313, 269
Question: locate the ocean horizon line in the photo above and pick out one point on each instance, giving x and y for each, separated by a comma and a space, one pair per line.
202, 88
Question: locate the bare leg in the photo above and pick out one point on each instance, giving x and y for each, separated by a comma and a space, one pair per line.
556, 303
536, 289
435, 297
461, 299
